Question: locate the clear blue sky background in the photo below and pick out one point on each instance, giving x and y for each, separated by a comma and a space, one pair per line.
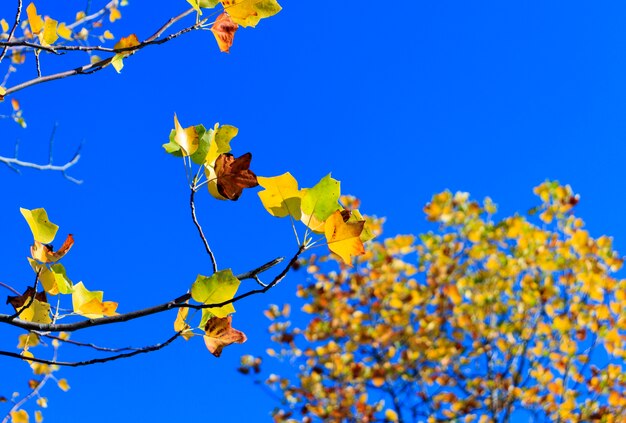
399, 100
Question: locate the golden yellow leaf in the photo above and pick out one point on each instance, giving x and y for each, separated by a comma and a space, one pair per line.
19, 416
34, 20
391, 415
89, 303
49, 35
28, 340
63, 385
344, 238
114, 14
180, 324
64, 31
38, 416
281, 196
4, 25
250, 12
108, 35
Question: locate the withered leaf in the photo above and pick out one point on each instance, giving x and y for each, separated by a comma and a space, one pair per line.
45, 253
220, 334
20, 301
233, 175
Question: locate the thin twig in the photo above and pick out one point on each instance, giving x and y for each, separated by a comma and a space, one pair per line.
33, 393
17, 22
13, 162
10, 288
144, 350
85, 344
192, 205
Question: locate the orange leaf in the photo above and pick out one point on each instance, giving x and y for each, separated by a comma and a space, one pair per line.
224, 31
45, 253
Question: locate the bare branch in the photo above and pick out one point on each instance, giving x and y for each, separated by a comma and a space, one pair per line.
144, 350
192, 205
85, 344
13, 163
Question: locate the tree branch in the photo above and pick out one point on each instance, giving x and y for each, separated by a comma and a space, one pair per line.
175, 303
144, 350
95, 67
13, 163
15, 25
192, 205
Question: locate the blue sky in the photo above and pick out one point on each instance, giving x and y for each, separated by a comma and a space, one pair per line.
397, 101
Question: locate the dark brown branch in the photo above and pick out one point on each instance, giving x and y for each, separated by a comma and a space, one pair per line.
263, 290
144, 350
175, 303
192, 205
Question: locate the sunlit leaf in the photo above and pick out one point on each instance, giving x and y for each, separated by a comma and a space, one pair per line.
217, 288
219, 333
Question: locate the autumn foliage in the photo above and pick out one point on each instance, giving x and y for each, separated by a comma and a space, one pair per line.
483, 320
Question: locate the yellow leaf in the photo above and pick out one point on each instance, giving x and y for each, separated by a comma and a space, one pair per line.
64, 31
180, 324
19, 416
250, 12
562, 323
28, 340
186, 138
38, 312
344, 237
89, 303
281, 196
49, 35
80, 15
3, 92
43, 230
391, 415
4, 25
34, 20
42, 402
63, 385
108, 35
38, 416
114, 14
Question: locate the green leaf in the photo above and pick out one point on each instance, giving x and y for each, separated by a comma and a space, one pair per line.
217, 288
204, 142
43, 230
319, 202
